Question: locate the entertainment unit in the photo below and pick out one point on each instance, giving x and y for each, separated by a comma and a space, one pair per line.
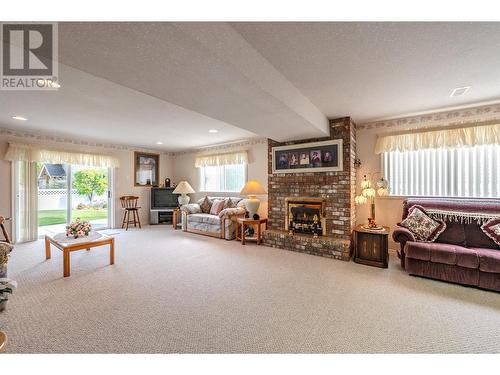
163, 204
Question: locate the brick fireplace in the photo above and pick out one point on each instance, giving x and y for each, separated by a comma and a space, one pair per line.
333, 193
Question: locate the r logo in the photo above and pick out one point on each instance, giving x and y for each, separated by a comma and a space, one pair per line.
29, 55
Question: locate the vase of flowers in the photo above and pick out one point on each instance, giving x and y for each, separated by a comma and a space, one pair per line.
78, 228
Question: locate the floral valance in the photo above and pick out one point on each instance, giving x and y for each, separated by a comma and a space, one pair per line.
34, 153
240, 157
447, 138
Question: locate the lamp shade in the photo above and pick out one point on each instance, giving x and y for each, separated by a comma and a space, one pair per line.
253, 187
183, 188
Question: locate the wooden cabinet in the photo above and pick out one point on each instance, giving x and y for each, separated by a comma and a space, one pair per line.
371, 247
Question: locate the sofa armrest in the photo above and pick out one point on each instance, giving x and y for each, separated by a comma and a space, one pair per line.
230, 212
402, 235
192, 208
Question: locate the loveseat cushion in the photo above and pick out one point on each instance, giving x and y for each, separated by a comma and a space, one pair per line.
475, 237
443, 253
204, 218
489, 260
205, 205
492, 229
453, 234
422, 225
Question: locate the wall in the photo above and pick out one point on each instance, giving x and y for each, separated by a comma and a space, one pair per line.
335, 187
389, 209
123, 177
184, 169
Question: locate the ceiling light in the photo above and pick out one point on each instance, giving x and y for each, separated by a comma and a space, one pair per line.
213, 131
20, 118
459, 91
159, 143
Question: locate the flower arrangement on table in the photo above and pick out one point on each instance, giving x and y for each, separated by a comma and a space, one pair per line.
78, 228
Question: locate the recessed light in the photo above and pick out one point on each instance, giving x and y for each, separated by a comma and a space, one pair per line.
20, 118
159, 143
213, 131
459, 91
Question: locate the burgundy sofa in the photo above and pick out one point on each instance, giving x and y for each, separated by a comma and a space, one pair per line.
461, 254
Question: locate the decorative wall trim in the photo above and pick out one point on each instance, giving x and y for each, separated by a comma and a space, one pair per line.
225, 147
31, 137
454, 117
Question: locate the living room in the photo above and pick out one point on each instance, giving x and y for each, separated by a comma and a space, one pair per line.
249, 187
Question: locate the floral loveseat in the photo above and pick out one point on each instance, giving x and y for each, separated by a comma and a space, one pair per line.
465, 248
196, 217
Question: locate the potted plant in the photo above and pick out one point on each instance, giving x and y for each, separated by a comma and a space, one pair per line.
7, 286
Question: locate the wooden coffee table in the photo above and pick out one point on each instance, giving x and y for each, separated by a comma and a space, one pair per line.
68, 245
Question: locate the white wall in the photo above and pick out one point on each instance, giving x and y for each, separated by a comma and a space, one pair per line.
123, 177
184, 168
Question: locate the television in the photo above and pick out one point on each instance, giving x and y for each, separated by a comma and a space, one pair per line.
163, 198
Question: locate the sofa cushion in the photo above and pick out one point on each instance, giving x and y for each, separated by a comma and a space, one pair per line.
229, 203
206, 205
204, 218
489, 260
475, 237
422, 225
217, 206
492, 230
442, 253
453, 234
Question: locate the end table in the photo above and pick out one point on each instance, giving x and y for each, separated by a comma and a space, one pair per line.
371, 247
243, 223
175, 218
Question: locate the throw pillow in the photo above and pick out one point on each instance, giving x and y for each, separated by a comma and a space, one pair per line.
492, 230
422, 225
206, 205
217, 207
229, 203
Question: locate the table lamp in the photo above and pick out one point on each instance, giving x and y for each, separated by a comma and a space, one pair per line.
183, 188
251, 189
368, 194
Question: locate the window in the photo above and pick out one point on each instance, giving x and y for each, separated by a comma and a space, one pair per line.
448, 172
223, 178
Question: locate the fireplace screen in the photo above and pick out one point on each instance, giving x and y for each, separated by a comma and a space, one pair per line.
305, 215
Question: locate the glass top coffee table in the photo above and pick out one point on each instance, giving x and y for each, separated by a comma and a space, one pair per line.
69, 244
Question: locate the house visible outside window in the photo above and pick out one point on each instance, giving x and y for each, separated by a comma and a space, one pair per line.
444, 172
223, 178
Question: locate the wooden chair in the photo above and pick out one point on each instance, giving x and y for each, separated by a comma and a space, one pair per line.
129, 204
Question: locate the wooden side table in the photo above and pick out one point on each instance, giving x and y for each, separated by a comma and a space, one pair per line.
243, 223
371, 247
176, 215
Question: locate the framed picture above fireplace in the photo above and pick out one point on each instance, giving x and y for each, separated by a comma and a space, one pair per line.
325, 156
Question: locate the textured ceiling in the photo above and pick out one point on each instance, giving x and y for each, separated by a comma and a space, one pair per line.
139, 83
377, 70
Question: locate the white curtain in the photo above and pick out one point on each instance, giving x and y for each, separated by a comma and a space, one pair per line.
447, 138
35, 153
240, 157
26, 199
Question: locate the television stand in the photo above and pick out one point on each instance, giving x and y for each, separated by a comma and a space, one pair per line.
161, 215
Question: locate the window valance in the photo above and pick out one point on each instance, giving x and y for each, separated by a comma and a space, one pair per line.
33, 153
467, 136
240, 157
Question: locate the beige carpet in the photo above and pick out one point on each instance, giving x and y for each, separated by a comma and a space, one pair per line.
173, 292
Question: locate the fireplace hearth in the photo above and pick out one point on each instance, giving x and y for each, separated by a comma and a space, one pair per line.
305, 215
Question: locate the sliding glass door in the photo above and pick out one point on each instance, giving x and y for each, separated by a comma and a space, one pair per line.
67, 192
